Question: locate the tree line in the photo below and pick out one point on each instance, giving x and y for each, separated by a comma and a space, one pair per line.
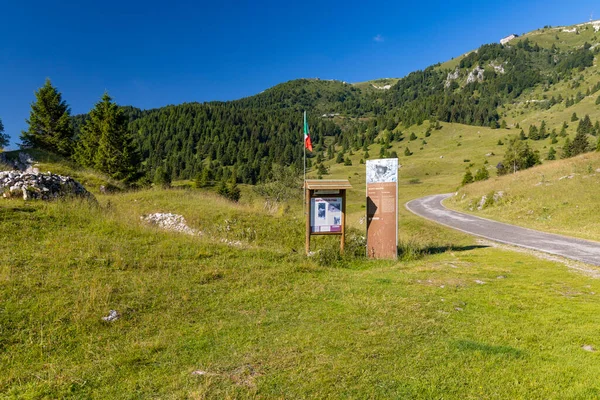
243, 140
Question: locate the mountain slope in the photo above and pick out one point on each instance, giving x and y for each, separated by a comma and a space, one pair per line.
535, 77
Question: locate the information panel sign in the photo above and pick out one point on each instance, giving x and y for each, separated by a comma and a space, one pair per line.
326, 214
382, 208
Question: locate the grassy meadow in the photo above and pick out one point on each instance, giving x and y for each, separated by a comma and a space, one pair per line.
238, 311
453, 320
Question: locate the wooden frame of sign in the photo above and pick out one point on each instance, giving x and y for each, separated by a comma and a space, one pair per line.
325, 209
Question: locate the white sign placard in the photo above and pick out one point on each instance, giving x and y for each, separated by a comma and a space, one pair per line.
326, 214
384, 170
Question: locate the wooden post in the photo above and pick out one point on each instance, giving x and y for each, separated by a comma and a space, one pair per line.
307, 196
343, 239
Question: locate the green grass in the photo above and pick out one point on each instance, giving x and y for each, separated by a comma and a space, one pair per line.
263, 321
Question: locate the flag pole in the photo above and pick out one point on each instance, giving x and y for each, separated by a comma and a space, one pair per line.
304, 146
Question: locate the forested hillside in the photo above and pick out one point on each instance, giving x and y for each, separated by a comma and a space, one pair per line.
246, 137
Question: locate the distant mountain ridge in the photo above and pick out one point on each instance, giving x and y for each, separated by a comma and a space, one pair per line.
246, 136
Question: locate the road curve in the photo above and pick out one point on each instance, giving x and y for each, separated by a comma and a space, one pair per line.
431, 208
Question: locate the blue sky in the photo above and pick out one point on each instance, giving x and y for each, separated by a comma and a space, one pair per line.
149, 54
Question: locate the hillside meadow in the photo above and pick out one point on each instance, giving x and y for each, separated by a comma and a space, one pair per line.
239, 312
559, 196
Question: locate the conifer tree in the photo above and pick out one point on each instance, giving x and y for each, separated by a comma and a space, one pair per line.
4, 139
522, 135
50, 127
162, 177
468, 177
533, 132
580, 144
105, 143
566, 150
551, 154
543, 134
233, 191
585, 125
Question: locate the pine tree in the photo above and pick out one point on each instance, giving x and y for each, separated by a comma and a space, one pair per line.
105, 143
322, 170
162, 177
233, 191
585, 125
221, 188
467, 178
580, 144
574, 117
551, 154
205, 177
407, 152
330, 151
543, 134
4, 139
563, 130
566, 150
50, 126
533, 132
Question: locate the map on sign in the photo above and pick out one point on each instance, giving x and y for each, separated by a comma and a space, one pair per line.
383, 170
326, 214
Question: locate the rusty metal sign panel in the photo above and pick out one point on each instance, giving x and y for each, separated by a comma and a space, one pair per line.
382, 208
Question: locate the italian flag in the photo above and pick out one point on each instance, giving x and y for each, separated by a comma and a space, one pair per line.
307, 142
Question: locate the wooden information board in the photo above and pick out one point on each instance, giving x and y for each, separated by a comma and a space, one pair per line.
325, 208
382, 208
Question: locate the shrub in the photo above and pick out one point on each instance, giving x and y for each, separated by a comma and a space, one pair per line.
468, 178
482, 174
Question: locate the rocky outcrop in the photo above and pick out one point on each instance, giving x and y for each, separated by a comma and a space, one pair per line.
452, 76
499, 68
31, 185
475, 75
170, 222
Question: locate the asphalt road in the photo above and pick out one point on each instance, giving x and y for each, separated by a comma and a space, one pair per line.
431, 208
